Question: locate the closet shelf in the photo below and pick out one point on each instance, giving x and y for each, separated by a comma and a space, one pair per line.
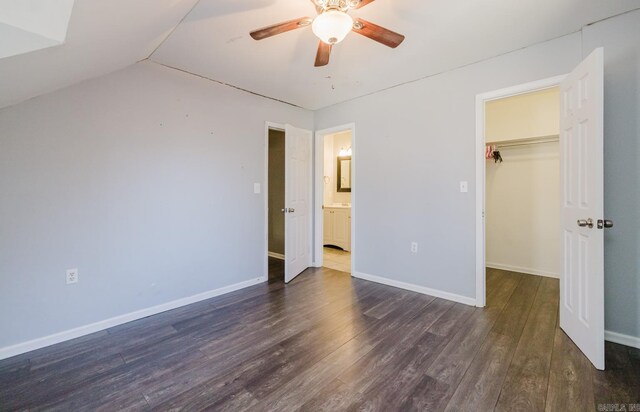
526, 141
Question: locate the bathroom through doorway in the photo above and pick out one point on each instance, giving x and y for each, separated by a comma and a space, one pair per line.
334, 161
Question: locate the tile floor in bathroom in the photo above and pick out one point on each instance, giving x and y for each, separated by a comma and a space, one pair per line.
337, 259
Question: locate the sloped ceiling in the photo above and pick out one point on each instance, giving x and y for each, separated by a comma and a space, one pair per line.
213, 41
103, 36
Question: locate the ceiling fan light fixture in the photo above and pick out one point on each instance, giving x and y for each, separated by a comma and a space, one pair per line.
332, 26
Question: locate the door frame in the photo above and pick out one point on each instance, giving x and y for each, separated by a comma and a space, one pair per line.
481, 100
265, 187
319, 192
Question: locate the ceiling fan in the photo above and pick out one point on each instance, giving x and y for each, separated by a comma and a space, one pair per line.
332, 25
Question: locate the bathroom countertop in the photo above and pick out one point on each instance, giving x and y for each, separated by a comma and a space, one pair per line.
338, 206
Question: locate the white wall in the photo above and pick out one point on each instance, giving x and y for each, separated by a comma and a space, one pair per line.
333, 143
522, 210
143, 180
329, 179
340, 141
522, 203
430, 124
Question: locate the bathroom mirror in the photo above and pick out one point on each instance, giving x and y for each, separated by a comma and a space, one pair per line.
344, 173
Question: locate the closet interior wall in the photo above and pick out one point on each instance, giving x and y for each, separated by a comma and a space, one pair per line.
522, 204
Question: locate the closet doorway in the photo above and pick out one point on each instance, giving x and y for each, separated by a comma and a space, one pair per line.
522, 183
575, 181
334, 198
522, 124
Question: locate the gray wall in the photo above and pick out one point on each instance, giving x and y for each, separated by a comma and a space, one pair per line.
416, 142
143, 180
620, 38
276, 191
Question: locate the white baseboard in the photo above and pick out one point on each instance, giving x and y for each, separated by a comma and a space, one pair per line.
276, 255
416, 288
42, 342
626, 340
519, 269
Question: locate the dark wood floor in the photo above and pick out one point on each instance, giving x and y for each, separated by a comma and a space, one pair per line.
327, 341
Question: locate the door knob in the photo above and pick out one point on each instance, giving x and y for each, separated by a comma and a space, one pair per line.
586, 223
604, 223
283, 210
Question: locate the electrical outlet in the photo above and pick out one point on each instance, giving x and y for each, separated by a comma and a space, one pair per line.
414, 247
72, 276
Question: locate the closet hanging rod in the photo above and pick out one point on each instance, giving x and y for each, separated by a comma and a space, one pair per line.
525, 142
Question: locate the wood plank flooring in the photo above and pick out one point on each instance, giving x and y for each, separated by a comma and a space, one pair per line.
331, 342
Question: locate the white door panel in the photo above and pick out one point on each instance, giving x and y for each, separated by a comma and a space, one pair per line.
581, 166
298, 186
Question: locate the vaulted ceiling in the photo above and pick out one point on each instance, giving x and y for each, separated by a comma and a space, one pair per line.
103, 36
210, 38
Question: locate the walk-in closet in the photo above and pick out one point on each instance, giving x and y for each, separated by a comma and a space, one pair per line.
522, 201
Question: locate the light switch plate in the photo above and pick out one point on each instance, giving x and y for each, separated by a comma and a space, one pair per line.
464, 187
256, 188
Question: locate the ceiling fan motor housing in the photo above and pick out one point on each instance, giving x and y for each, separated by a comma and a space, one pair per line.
342, 5
331, 26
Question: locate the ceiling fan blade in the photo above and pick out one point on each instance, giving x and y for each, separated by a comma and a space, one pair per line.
322, 56
363, 3
377, 33
281, 28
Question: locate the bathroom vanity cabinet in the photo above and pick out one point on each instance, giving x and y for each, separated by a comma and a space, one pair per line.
337, 226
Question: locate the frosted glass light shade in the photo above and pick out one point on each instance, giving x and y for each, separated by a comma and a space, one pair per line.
332, 26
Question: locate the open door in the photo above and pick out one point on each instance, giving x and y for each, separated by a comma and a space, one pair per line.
581, 168
297, 201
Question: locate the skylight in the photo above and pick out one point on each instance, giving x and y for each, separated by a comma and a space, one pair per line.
28, 25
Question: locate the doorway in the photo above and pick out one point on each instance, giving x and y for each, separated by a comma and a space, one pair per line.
503, 145
522, 171
275, 204
336, 204
288, 202
581, 200
335, 180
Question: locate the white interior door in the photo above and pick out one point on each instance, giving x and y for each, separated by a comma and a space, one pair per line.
581, 168
297, 201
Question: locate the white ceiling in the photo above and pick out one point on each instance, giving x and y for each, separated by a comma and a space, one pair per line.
213, 41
